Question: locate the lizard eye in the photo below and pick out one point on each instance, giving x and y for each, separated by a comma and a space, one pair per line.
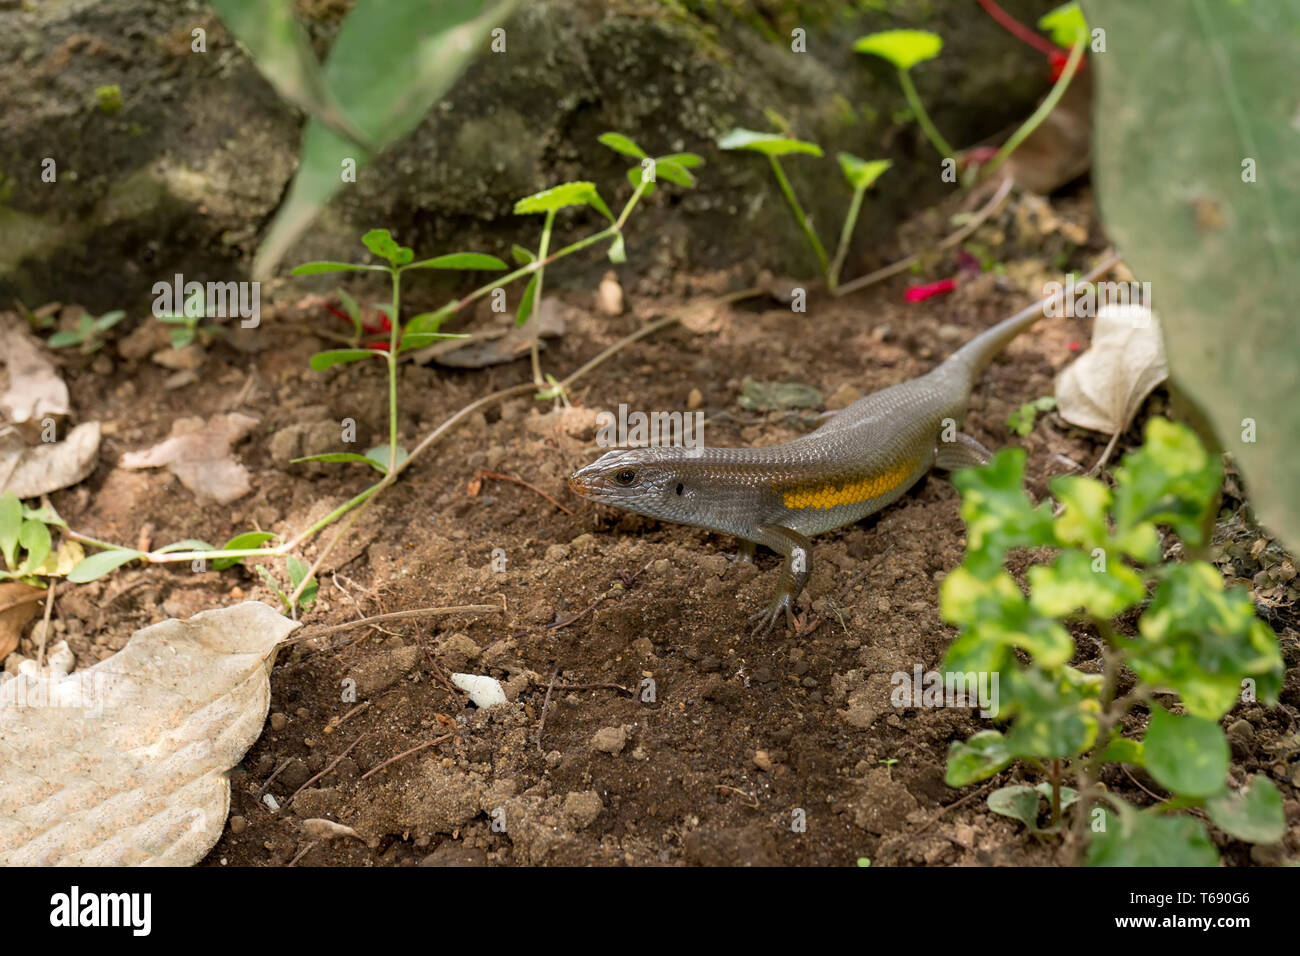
625, 477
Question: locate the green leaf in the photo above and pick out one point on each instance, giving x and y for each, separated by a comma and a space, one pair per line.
635, 175
343, 456
1021, 421
993, 613
1055, 712
525, 309
189, 544
298, 572
379, 455
998, 513
35, 539
861, 173
319, 268
241, 542
382, 244
109, 319
1203, 235
670, 171
1253, 813
1018, 801
11, 523
1071, 583
687, 160
61, 340
1066, 25
976, 759
181, 337
903, 48
617, 250
418, 340
429, 321
461, 260
1170, 480
101, 563
1188, 755
328, 359
769, 144
562, 196
621, 144
391, 60
521, 255
1124, 750
1082, 521
1144, 838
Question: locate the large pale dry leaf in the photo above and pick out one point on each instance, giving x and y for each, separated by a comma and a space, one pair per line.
126, 762
30, 471
33, 388
18, 604
198, 453
1106, 385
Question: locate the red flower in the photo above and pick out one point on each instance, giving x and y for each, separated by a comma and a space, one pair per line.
919, 293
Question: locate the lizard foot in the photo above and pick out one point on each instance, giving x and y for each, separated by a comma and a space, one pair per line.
765, 620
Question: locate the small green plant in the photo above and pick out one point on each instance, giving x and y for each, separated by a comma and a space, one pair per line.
906, 48
859, 173
1021, 421
108, 99
187, 324
27, 544
89, 333
1196, 640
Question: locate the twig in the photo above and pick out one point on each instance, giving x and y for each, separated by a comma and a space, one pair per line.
407, 753
953, 806
332, 764
303, 852
519, 481
590, 607
45, 626
394, 616
271, 779
618, 687
546, 702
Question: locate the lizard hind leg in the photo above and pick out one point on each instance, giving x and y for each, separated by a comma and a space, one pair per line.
963, 452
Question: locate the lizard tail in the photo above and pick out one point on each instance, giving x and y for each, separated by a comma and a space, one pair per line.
979, 351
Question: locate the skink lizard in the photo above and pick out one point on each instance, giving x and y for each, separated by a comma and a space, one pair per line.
864, 458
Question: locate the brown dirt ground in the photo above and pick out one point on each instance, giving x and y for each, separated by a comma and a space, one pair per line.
742, 732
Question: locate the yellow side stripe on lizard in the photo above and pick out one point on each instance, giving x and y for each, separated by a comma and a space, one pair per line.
850, 492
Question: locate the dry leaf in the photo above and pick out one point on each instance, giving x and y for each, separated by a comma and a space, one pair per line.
1106, 385
126, 762
495, 346
18, 604
32, 471
34, 389
198, 453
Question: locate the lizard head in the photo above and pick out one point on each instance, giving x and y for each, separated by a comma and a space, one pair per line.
648, 481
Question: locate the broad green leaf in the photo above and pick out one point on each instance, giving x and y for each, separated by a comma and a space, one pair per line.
461, 260
1188, 755
1071, 583
562, 196
976, 759
282, 53
687, 160
298, 572
429, 321
634, 176
418, 340
1018, 801
1124, 750
320, 268
903, 48
993, 612
11, 523
1202, 639
1082, 521
1170, 479
380, 455
241, 542
35, 539
673, 173
1055, 712
188, 544
1207, 212
617, 250
61, 340
342, 456
1066, 24
390, 62
769, 144
109, 319
1253, 813
525, 309
328, 359
381, 243
101, 563
621, 144
1144, 838
521, 255
998, 513
861, 173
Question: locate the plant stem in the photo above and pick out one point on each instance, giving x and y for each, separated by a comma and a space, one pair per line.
931, 131
1044, 110
536, 317
855, 206
813, 242
394, 336
1016, 28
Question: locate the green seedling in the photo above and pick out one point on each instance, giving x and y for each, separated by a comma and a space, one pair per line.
89, 333
904, 49
1196, 639
1021, 421
859, 173
108, 99
187, 324
27, 544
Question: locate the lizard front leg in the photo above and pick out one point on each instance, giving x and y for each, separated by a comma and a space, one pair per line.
795, 572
